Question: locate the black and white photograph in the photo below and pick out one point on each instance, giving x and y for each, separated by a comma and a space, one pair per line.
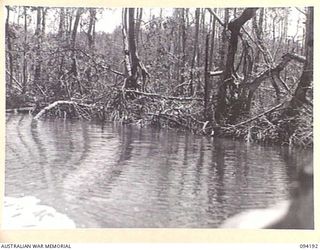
186, 118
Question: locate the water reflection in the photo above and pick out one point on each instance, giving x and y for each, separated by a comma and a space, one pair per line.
123, 176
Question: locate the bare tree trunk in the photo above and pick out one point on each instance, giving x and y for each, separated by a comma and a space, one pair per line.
138, 24
273, 33
257, 26
75, 27
94, 33
61, 22
38, 35
70, 19
132, 43
234, 26
224, 42
130, 49
227, 89
74, 67
212, 42
9, 47
207, 89
195, 50
176, 48
203, 30
126, 50
61, 34
183, 45
24, 69
90, 35
43, 23
220, 106
306, 79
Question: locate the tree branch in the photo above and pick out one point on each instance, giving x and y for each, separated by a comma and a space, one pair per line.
262, 114
162, 96
216, 17
16, 81
253, 85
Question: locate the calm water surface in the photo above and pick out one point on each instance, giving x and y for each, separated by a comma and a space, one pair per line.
124, 176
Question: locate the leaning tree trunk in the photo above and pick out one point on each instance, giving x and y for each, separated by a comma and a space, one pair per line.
300, 96
227, 93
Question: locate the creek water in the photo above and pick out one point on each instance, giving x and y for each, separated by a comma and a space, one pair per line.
111, 175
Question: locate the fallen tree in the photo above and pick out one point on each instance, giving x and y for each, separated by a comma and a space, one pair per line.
83, 110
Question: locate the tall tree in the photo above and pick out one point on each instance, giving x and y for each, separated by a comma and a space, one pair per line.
306, 79
43, 24
24, 69
207, 110
38, 37
132, 61
62, 17
227, 94
9, 46
90, 32
75, 27
183, 37
195, 49
224, 39
258, 29
74, 66
212, 44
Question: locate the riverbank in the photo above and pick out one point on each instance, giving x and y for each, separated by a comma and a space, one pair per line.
270, 127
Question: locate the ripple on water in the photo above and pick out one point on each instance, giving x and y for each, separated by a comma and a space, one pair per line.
123, 176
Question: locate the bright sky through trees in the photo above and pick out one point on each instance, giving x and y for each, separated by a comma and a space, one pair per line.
109, 19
